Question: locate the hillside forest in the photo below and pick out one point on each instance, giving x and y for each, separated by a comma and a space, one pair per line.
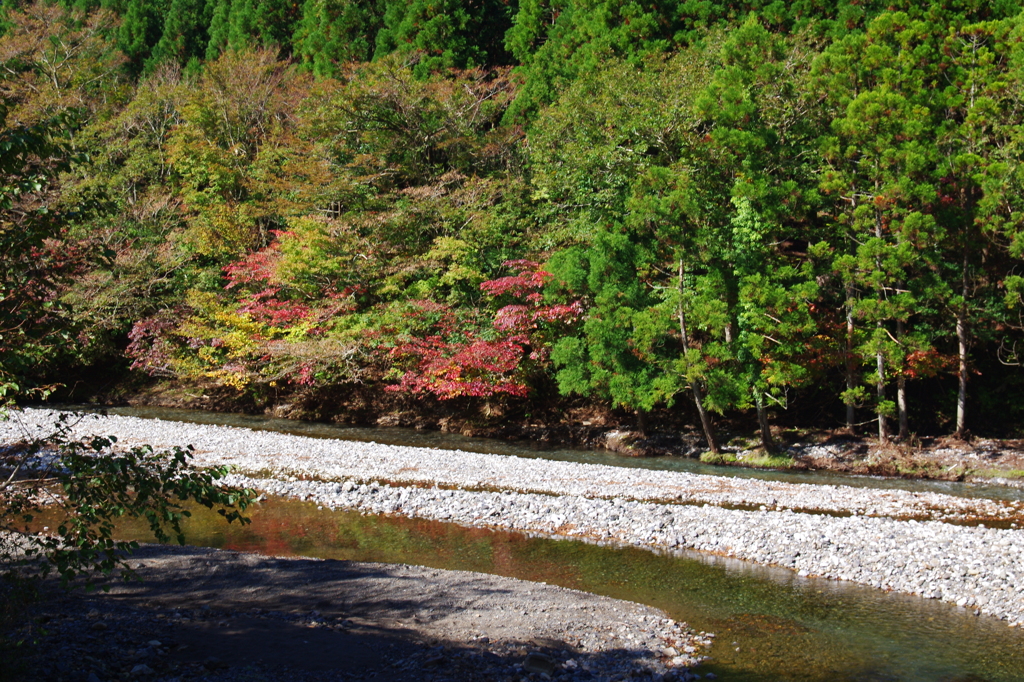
806, 213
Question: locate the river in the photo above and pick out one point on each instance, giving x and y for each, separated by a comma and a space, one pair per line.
771, 624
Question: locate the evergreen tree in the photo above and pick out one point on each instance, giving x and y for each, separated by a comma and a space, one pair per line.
184, 34
881, 169
979, 178
558, 41
219, 12
82, 6
619, 144
447, 33
242, 24
275, 22
267, 23
332, 32
141, 29
6, 7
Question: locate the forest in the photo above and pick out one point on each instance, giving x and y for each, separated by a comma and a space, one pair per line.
691, 211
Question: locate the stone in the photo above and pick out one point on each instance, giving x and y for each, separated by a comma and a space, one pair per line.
539, 663
434, 661
142, 669
548, 642
99, 627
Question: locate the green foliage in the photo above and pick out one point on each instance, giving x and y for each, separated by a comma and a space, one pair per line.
559, 41
748, 199
261, 22
249, 24
37, 260
90, 486
907, 183
184, 35
611, 136
684, 166
386, 125
605, 361
220, 26
447, 33
334, 32
55, 62
92, 483
142, 26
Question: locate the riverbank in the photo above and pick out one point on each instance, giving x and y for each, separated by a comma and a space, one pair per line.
218, 616
594, 427
889, 539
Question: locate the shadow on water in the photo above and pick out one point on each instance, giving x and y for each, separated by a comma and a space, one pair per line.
452, 441
771, 624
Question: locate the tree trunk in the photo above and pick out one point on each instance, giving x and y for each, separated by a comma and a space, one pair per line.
961, 395
641, 421
961, 338
901, 392
901, 403
705, 420
883, 427
732, 296
767, 442
698, 397
851, 368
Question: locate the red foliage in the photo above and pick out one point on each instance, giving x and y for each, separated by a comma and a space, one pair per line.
473, 366
927, 363
150, 346
265, 307
256, 267
32, 282
527, 284
305, 376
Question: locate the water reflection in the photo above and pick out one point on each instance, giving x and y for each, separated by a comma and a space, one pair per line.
771, 624
450, 441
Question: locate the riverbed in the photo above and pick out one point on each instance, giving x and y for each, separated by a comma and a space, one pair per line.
771, 625
926, 543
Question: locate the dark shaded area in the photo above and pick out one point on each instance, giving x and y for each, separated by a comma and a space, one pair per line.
200, 615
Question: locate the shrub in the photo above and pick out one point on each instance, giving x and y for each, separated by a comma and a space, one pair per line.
92, 484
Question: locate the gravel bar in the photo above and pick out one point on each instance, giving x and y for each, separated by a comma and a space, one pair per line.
205, 615
890, 539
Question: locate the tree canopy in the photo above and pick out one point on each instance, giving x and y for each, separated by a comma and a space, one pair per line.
704, 209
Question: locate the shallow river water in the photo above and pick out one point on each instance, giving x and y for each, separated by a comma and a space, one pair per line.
784, 627
770, 623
